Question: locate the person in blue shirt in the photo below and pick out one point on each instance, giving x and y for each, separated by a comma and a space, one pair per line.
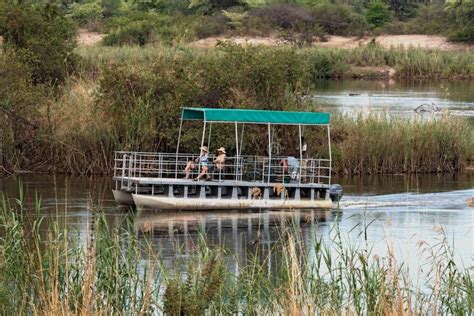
202, 161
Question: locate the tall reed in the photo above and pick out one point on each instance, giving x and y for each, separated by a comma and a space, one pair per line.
46, 269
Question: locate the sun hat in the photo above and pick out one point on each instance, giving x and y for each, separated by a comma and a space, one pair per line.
204, 148
222, 150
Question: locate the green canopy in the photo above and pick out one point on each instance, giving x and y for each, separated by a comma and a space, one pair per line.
255, 116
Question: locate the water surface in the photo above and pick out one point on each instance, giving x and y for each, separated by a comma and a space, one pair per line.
400, 98
403, 212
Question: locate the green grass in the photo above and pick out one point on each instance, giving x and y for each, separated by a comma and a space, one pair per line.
47, 269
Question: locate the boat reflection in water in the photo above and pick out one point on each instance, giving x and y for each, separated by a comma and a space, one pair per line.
244, 235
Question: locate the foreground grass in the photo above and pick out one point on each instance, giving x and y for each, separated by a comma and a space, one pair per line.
53, 271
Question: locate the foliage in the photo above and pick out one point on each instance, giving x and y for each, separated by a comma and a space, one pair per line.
207, 26
130, 97
339, 19
42, 37
86, 14
404, 9
464, 12
377, 13
135, 33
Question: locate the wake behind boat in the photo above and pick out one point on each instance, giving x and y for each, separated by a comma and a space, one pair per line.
292, 181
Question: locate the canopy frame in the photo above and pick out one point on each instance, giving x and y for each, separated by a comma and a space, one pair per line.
264, 117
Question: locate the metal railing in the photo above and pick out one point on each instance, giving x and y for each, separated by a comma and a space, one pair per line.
129, 165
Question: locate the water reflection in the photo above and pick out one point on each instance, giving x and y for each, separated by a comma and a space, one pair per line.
403, 210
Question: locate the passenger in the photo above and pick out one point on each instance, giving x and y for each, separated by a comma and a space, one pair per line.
220, 159
202, 160
290, 166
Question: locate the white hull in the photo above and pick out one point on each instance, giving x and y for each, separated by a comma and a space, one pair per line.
166, 203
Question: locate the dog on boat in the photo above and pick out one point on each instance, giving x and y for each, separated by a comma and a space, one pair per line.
278, 188
256, 193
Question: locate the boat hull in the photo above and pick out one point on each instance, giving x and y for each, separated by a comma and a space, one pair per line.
166, 203
123, 198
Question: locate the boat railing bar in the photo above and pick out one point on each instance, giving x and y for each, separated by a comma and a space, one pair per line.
129, 165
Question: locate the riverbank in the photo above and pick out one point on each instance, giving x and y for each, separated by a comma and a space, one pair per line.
49, 269
130, 97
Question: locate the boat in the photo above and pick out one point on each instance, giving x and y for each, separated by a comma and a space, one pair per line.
156, 180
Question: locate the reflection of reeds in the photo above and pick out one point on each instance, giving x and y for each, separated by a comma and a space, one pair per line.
56, 272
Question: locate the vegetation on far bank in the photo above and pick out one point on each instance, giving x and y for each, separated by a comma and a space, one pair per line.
299, 21
66, 109
45, 268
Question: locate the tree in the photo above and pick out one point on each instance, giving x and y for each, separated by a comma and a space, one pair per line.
404, 9
377, 13
464, 12
41, 37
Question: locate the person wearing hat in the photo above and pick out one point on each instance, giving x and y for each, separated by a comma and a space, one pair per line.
202, 160
220, 159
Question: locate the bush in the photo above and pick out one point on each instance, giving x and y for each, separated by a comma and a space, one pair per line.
339, 19
431, 20
42, 36
296, 23
135, 33
87, 14
207, 26
464, 12
377, 13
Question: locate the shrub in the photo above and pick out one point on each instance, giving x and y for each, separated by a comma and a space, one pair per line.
296, 23
431, 19
43, 37
377, 13
86, 14
207, 26
135, 33
339, 19
464, 12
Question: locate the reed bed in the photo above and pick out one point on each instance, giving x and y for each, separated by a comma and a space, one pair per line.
46, 269
129, 98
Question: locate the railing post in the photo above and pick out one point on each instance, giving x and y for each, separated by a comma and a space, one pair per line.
124, 165
269, 152
301, 153
330, 155
319, 169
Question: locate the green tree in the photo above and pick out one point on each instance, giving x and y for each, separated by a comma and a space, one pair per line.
377, 13
404, 9
41, 37
464, 13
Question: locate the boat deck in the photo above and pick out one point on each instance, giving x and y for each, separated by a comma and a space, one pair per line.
127, 181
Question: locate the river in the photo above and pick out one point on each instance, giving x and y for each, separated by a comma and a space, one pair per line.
400, 98
403, 212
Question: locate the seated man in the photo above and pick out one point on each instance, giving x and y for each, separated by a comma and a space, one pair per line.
202, 160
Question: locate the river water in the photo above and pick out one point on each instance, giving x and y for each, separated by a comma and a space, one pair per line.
405, 212
396, 97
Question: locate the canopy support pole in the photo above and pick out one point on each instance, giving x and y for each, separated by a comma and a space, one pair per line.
269, 151
209, 137
301, 152
237, 152
330, 154
177, 146
202, 144
241, 139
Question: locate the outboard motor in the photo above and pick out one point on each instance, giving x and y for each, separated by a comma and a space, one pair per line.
335, 192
